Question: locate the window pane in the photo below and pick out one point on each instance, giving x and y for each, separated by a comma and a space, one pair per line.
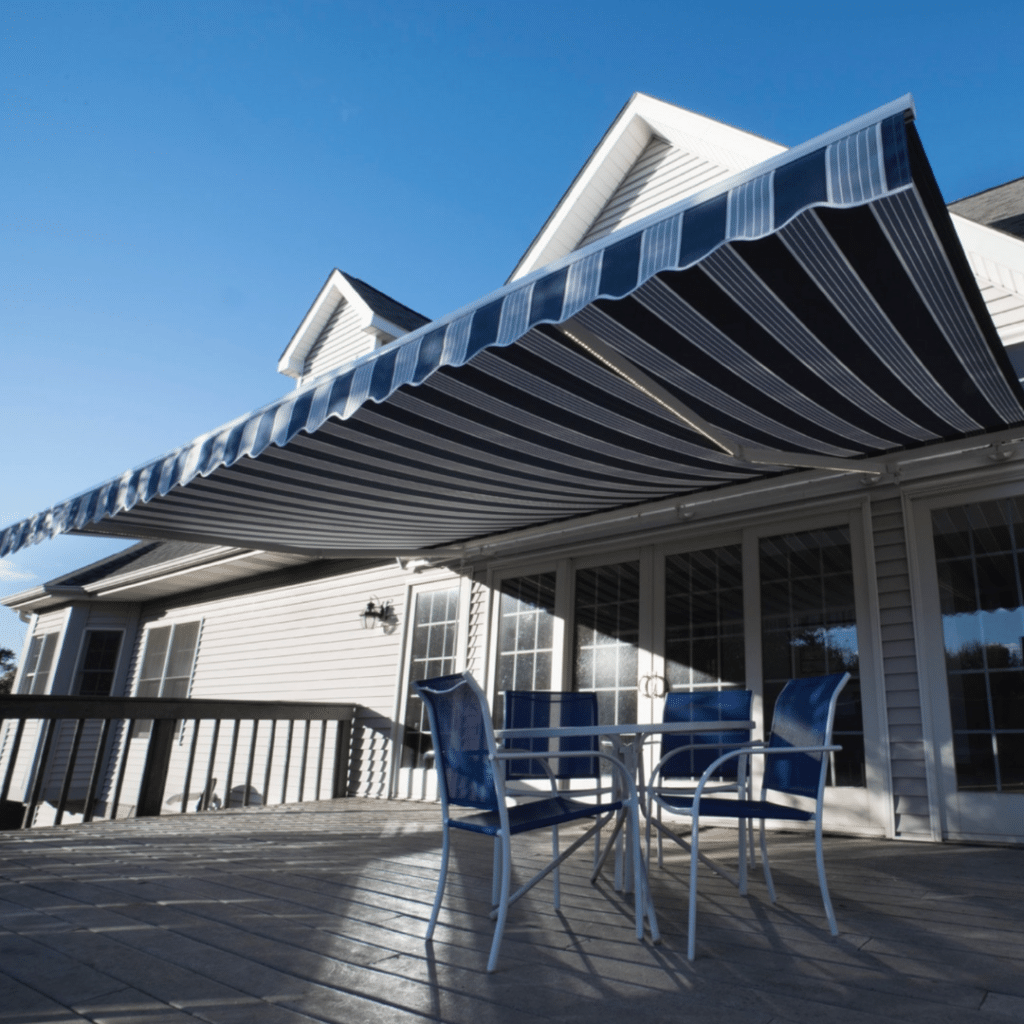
42, 675
156, 653
183, 649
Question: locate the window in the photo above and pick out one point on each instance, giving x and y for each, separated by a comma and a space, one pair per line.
99, 661
526, 632
38, 663
168, 660
434, 640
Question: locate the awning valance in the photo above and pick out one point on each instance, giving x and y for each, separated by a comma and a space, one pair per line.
815, 311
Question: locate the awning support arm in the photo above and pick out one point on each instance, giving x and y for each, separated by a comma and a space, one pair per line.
632, 374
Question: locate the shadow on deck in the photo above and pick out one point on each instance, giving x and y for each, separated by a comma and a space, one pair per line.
316, 912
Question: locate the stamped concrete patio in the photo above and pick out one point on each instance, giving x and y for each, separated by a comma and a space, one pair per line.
316, 912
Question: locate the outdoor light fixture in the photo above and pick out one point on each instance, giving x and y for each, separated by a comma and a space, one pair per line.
375, 612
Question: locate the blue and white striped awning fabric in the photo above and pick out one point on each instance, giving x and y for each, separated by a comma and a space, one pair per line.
817, 306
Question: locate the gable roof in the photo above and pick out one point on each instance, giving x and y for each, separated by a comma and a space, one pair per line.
719, 149
1001, 207
379, 314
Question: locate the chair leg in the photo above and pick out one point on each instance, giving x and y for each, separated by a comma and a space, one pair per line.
819, 855
691, 924
554, 856
661, 861
766, 866
496, 872
643, 901
742, 830
506, 882
442, 878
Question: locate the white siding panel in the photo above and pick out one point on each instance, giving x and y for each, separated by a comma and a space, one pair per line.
660, 176
299, 636
899, 657
341, 340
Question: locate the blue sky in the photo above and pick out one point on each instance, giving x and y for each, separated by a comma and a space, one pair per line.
178, 179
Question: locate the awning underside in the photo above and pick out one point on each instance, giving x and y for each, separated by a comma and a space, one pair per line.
820, 309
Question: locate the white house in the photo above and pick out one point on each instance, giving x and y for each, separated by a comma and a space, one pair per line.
740, 413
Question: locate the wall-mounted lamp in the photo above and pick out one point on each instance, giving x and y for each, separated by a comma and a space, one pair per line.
378, 612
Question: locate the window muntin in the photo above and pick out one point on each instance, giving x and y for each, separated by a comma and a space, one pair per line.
704, 619
526, 632
39, 663
809, 628
607, 632
99, 662
434, 643
168, 660
979, 555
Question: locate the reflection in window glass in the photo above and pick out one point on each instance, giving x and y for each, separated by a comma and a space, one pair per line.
435, 631
809, 628
607, 631
526, 632
979, 554
36, 676
704, 619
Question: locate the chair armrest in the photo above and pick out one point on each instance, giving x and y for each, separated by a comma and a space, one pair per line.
709, 772
616, 763
736, 748
532, 755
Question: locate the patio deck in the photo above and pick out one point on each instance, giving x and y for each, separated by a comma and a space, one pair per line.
316, 912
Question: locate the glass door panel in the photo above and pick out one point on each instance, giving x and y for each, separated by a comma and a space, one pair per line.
809, 628
607, 631
979, 551
704, 619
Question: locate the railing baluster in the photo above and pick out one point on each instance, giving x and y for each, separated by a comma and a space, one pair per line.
340, 786
252, 757
188, 769
37, 788
305, 758
94, 774
120, 772
69, 770
320, 759
15, 747
231, 763
270, 758
210, 780
287, 761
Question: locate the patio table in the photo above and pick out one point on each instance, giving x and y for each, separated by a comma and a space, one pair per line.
623, 738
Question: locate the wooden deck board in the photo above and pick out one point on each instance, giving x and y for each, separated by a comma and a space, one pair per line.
317, 913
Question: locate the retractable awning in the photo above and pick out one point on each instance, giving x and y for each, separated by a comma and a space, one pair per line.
816, 311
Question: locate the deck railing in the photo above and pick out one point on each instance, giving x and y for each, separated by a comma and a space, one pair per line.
83, 750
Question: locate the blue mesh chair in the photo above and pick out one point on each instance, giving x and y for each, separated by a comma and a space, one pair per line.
528, 709
795, 764
470, 773
684, 759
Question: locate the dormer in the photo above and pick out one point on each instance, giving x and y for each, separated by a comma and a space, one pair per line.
653, 155
348, 319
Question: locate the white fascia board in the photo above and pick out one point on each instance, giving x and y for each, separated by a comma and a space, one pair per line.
335, 290
378, 325
642, 118
163, 570
994, 255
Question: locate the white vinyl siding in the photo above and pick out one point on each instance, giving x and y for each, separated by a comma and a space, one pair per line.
342, 339
661, 176
899, 657
298, 635
1007, 311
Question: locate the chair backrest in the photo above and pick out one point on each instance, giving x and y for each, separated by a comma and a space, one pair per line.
803, 717
460, 723
704, 706
526, 709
